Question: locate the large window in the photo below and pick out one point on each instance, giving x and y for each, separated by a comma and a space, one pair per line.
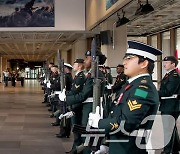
154, 75
178, 47
165, 47
140, 39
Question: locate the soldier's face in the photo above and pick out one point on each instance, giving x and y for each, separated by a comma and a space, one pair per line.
132, 68
119, 69
168, 65
53, 69
87, 62
75, 67
50, 65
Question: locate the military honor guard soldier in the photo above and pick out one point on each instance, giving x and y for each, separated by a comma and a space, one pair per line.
169, 103
120, 79
136, 100
85, 97
75, 112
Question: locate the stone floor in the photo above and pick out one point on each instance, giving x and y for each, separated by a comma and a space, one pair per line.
25, 124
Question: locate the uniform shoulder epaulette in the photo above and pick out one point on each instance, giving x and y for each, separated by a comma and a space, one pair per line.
142, 89
144, 81
143, 86
81, 75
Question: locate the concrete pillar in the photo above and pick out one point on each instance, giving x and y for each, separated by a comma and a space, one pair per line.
1, 70
115, 55
79, 49
172, 42
149, 40
4, 64
64, 55
159, 59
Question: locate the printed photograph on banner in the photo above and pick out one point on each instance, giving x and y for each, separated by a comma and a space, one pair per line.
27, 13
109, 3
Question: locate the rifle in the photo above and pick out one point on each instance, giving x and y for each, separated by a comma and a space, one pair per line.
46, 71
62, 85
94, 75
61, 70
96, 99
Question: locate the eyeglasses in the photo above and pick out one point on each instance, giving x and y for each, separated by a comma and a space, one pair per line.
128, 57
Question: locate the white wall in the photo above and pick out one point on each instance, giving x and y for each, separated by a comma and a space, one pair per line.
115, 56
79, 49
96, 11
69, 15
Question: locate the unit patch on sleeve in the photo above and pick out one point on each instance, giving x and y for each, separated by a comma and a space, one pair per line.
141, 93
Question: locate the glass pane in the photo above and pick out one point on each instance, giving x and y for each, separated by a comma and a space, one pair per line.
27, 70
154, 44
140, 39
165, 47
178, 47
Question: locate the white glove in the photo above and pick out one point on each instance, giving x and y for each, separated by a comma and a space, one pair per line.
57, 92
61, 116
109, 86
94, 118
45, 81
62, 95
49, 85
103, 150
52, 95
68, 114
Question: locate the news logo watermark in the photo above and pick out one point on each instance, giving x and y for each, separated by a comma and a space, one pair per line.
155, 138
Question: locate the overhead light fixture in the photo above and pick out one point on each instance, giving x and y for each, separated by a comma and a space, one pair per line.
122, 21
138, 11
147, 8
144, 9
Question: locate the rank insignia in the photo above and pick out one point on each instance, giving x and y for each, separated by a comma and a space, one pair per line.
114, 126
143, 81
77, 86
133, 105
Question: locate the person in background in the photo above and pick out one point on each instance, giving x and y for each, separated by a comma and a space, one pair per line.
102, 69
22, 76
109, 77
6, 77
170, 85
120, 79
13, 78
76, 110
85, 97
48, 76
65, 128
